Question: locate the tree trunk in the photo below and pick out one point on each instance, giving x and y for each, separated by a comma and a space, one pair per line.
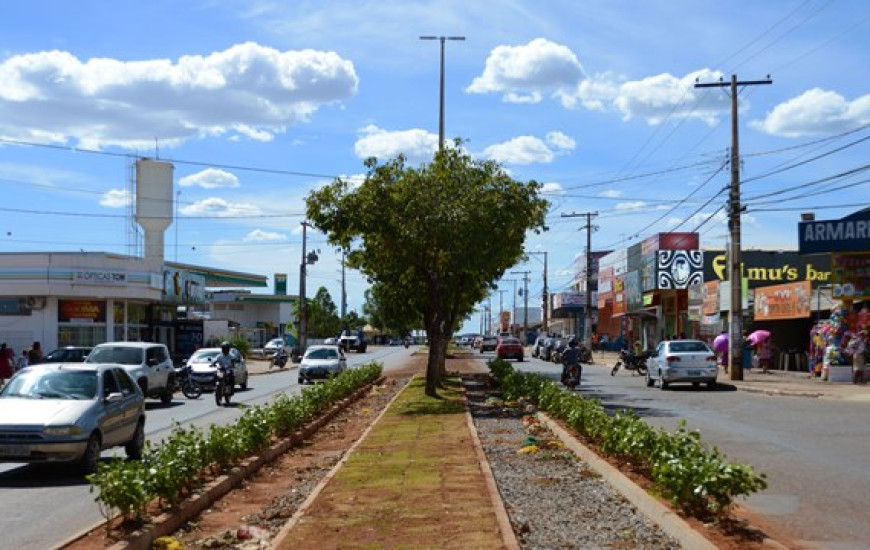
434, 365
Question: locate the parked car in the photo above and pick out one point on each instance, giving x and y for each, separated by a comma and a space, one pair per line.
68, 354
203, 373
331, 341
538, 346
510, 348
546, 351
396, 341
675, 361
273, 345
488, 343
65, 412
353, 342
321, 362
476, 343
148, 363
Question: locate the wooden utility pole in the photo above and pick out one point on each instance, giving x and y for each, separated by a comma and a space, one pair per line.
525, 275
545, 301
587, 324
735, 314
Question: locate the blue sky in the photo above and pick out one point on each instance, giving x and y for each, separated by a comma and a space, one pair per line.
260, 102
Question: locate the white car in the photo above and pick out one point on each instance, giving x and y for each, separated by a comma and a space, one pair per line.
203, 373
689, 361
273, 345
321, 362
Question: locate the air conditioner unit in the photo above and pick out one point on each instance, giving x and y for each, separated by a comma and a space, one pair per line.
35, 302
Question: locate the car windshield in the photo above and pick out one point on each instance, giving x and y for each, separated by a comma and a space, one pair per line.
510, 341
204, 356
677, 347
51, 384
117, 354
322, 353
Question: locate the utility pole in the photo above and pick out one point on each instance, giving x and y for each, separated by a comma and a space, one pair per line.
307, 259
525, 275
545, 302
441, 109
489, 313
343, 289
735, 313
500, 307
587, 324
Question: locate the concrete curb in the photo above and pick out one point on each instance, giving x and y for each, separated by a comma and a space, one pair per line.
170, 522
294, 520
664, 517
501, 515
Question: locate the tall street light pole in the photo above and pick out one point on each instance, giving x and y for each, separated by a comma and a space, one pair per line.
546, 299
442, 39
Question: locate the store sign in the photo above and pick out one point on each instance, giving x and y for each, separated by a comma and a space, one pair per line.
280, 284
851, 276
677, 269
633, 293
183, 287
767, 267
848, 234
710, 298
81, 311
572, 300
788, 301
99, 277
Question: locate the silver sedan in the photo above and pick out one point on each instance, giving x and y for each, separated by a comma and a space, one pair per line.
70, 412
689, 361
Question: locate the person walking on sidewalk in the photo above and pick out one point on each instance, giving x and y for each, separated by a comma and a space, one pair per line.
762, 349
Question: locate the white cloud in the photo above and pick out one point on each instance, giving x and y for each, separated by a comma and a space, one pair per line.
220, 208
560, 141
417, 145
611, 194
210, 178
520, 150
525, 73
247, 89
116, 198
815, 112
552, 188
631, 205
260, 236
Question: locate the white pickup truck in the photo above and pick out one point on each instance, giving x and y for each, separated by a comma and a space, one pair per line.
353, 342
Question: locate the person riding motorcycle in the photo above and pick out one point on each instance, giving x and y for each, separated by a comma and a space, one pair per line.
226, 362
570, 358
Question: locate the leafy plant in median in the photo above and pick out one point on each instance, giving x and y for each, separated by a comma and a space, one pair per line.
174, 466
699, 480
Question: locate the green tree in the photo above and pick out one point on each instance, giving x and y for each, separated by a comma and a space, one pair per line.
384, 314
323, 320
432, 240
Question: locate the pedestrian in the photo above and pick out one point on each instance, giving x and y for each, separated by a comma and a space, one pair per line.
35, 355
858, 348
762, 350
746, 358
22, 363
6, 357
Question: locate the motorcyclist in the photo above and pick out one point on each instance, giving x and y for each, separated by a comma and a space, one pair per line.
226, 362
571, 358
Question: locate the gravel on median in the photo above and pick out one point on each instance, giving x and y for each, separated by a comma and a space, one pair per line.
554, 500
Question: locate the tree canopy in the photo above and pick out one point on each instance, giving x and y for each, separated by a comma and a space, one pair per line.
431, 240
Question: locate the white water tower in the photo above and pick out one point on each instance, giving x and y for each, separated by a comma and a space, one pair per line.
154, 206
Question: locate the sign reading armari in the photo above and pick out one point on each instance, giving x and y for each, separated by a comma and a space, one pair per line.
849, 234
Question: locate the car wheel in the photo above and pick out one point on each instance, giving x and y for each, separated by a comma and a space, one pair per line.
520, 358
134, 447
711, 385
649, 381
301, 381
696, 384
244, 385
166, 396
89, 460
662, 384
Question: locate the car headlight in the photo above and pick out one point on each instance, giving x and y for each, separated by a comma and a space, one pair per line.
55, 431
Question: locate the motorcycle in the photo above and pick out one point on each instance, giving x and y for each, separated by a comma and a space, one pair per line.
279, 359
572, 377
186, 384
223, 385
633, 362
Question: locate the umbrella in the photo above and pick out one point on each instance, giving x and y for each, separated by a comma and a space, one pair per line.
720, 343
758, 336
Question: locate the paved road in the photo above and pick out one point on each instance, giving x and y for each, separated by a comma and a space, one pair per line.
814, 451
42, 507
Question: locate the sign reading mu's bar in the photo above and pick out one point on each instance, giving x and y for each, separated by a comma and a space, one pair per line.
789, 301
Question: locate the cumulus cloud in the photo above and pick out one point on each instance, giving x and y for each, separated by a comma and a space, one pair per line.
611, 194
630, 205
116, 198
260, 236
526, 73
560, 141
520, 150
815, 112
552, 188
210, 178
246, 90
540, 69
417, 145
220, 208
